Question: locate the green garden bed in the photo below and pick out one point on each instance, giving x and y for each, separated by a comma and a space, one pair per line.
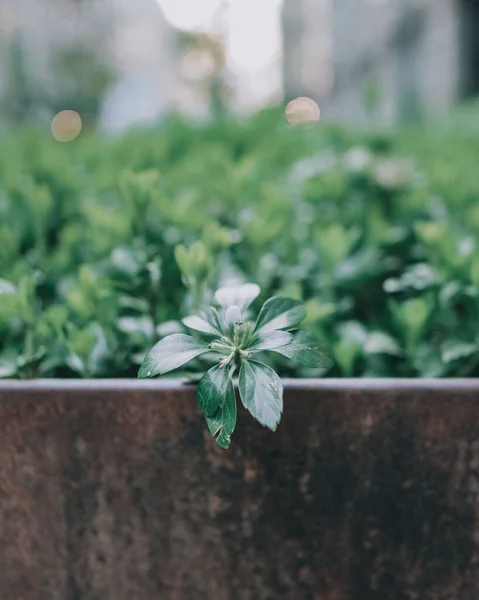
105, 244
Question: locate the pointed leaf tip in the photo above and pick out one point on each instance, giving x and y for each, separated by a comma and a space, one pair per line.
261, 392
222, 424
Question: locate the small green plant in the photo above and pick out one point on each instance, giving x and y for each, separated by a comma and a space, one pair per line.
236, 341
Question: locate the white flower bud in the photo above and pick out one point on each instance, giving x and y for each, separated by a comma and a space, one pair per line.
233, 315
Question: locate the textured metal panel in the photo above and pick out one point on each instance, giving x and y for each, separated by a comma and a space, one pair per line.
114, 490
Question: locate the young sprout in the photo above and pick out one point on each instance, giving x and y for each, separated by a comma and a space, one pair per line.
236, 340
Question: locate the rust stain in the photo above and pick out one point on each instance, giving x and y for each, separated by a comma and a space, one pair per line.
360, 495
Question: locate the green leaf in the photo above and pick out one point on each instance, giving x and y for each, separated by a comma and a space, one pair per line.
475, 271
304, 350
197, 323
346, 353
171, 353
207, 322
412, 316
427, 361
136, 326
7, 369
453, 350
280, 313
270, 340
9, 304
239, 295
75, 363
182, 258
6, 287
212, 389
223, 422
417, 277
32, 360
261, 392
381, 343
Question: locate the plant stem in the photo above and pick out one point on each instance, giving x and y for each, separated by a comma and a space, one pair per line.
152, 301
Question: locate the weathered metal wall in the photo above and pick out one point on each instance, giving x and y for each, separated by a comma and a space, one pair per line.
114, 490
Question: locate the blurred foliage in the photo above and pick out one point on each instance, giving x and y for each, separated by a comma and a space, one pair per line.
204, 69
82, 80
17, 98
105, 244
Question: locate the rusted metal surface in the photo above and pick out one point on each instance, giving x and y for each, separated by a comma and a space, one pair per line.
114, 490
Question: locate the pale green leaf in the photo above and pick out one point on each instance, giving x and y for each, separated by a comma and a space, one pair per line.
207, 322
280, 313
382, 343
270, 340
6, 287
240, 295
453, 350
7, 369
171, 353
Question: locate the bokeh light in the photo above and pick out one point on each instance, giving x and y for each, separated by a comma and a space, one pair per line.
66, 126
198, 65
303, 111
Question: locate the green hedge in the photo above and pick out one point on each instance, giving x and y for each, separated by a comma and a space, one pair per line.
106, 243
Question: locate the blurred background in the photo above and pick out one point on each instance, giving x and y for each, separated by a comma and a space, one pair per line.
324, 149
120, 63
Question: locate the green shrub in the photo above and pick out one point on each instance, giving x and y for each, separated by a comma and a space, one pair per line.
106, 244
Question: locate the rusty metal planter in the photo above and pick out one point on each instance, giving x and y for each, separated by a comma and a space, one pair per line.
114, 490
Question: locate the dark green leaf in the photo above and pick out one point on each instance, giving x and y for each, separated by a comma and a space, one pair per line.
223, 422
212, 389
304, 349
280, 313
261, 392
31, 361
270, 340
171, 353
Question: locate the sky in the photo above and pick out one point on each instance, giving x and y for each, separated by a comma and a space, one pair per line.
253, 36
